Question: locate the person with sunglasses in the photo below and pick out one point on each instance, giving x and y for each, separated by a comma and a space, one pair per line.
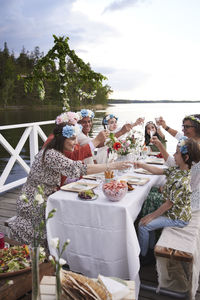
191, 129
152, 130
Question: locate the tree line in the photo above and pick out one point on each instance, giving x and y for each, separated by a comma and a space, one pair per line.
12, 91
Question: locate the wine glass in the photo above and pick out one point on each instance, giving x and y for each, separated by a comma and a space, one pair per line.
152, 132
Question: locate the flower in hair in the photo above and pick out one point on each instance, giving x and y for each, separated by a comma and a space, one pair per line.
67, 117
70, 131
86, 113
107, 118
182, 145
193, 118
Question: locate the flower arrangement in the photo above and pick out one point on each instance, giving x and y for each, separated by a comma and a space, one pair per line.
182, 145
113, 144
85, 113
128, 144
67, 117
58, 263
70, 131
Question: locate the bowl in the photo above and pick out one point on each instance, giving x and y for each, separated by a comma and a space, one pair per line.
115, 190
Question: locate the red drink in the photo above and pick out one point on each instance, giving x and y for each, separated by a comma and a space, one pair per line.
2, 243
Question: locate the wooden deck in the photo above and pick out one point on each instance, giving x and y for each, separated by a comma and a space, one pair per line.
147, 274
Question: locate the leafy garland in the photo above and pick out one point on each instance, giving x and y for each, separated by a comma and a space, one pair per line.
53, 66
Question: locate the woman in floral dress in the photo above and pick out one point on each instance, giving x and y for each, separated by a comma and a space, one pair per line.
48, 167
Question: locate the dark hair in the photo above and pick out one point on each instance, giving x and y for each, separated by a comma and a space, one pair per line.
194, 123
57, 142
193, 152
147, 136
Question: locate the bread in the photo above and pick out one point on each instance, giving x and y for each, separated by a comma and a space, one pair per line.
81, 287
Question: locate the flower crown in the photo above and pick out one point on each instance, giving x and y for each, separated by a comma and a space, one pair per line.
182, 145
67, 117
193, 118
85, 113
69, 130
107, 118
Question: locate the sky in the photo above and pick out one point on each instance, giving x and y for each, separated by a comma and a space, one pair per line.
148, 49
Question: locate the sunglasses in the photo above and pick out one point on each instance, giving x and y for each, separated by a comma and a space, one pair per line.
187, 126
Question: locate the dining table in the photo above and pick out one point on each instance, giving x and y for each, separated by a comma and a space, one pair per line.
103, 238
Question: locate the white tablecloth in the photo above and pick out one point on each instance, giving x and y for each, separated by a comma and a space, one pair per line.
102, 234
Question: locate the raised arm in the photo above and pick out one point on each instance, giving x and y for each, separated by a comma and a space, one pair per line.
171, 131
160, 146
152, 169
98, 168
127, 127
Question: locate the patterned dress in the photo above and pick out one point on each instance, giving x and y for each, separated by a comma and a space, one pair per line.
48, 174
176, 188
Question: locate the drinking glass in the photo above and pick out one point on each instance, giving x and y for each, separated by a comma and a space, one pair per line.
151, 135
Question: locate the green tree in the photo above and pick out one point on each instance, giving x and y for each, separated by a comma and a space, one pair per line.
67, 81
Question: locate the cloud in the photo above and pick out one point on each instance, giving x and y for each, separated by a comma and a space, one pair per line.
117, 5
32, 23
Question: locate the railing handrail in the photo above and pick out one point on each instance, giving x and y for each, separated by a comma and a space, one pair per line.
32, 130
26, 124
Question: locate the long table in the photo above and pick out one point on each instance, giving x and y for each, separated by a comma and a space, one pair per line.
102, 234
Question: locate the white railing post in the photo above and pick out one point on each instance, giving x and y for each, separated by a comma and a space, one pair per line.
32, 130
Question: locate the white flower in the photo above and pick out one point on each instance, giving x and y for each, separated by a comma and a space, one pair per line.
51, 258
62, 74
77, 129
54, 242
68, 241
62, 262
42, 252
39, 199
23, 197
182, 143
65, 83
61, 91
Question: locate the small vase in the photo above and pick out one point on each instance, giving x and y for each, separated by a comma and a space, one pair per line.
34, 254
58, 283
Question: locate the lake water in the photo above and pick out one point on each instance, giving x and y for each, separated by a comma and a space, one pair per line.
173, 113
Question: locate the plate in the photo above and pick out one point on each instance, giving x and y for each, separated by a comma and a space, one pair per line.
142, 171
135, 180
15, 273
154, 160
93, 198
94, 176
153, 153
78, 186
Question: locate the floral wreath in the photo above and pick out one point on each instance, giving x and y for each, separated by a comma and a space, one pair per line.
107, 118
182, 145
69, 130
67, 117
193, 118
85, 113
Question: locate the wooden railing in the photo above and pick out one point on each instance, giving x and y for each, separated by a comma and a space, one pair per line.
32, 131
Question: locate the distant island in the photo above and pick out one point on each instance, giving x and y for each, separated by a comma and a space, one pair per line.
114, 101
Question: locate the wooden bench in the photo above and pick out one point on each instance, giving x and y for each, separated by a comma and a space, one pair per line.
172, 253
